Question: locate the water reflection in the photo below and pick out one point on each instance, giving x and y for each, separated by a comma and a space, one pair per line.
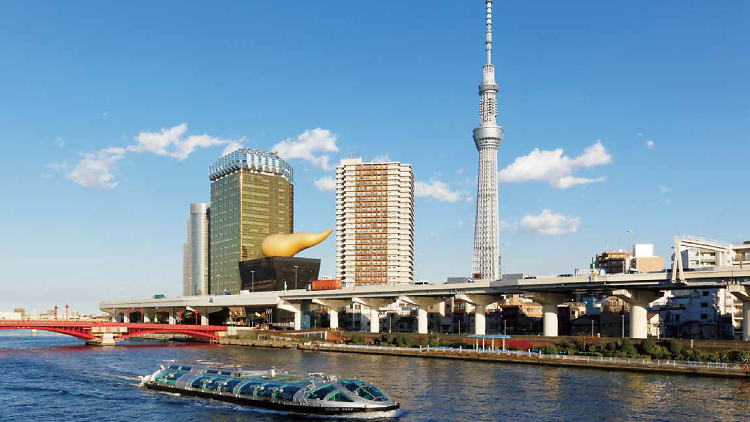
71, 379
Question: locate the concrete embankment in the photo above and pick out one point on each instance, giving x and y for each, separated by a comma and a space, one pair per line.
586, 362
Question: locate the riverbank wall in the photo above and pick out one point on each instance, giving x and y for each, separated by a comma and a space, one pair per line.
509, 356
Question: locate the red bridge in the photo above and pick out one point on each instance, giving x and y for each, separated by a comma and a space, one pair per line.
107, 333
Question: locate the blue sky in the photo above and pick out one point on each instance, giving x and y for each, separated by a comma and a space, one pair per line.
647, 103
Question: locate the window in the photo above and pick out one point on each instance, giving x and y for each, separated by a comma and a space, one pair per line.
704, 316
249, 388
705, 293
704, 304
340, 397
321, 392
267, 391
229, 386
286, 393
198, 382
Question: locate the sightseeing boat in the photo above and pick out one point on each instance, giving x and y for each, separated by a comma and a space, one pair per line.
315, 393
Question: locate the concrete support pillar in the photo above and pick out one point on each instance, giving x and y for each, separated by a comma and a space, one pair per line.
479, 319
422, 303
480, 303
293, 307
374, 314
422, 320
374, 319
298, 320
549, 320
742, 293
171, 319
333, 318
549, 302
126, 318
333, 310
638, 300
204, 319
746, 321
146, 317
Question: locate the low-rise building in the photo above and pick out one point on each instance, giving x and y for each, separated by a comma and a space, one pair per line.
613, 262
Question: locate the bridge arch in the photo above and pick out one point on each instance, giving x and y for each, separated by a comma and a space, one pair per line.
73, 331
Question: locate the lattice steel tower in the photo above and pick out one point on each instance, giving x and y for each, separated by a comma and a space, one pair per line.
487, 137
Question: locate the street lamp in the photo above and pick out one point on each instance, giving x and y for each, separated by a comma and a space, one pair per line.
502, 249
629, 233
295, 276
630, 251
252, 281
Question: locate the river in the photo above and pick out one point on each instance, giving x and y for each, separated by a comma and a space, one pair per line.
49, 377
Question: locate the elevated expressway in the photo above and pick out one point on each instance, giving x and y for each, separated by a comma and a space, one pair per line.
637, 289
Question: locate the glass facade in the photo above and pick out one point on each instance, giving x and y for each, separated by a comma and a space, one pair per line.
248, 203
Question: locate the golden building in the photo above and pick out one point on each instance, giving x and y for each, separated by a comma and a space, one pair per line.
252, 197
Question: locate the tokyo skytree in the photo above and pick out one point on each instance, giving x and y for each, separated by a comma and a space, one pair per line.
487, 137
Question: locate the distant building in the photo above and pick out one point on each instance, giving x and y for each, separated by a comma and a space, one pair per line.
196, 252
613, 262
374, 222
11, 316
700, 253
699, 314
585, 325
252, 197
644, 260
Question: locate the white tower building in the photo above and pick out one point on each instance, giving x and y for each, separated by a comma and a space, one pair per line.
374, 222
487, 137
196, 252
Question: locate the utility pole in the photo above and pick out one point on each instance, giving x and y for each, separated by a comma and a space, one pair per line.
252, 281
295, 276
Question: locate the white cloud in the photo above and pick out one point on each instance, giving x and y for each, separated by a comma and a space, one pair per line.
382, 158
159, 142
231, 147
663, 190
59, 142
437, 190
95, 169
507, 226
549, 223
555, 168
460, 223
170, 142
105, 114
315, 140
650, 144
326, 184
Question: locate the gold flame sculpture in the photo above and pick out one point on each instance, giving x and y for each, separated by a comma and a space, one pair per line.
290, 244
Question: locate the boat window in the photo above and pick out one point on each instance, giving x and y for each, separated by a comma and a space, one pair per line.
185, 368
339, 396
198, 382
214, 384
249, 388
363, 390
320, 393
267, 390
212, 371
174, 367
286, 393
229, 386
225, 373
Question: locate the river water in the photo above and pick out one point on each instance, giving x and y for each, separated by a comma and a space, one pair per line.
49, 377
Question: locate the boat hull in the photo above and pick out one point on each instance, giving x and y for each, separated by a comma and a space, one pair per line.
269, 404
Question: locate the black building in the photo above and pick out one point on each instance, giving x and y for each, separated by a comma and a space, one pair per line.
278, 273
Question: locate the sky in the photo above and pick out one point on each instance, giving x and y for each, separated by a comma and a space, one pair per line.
617, 116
